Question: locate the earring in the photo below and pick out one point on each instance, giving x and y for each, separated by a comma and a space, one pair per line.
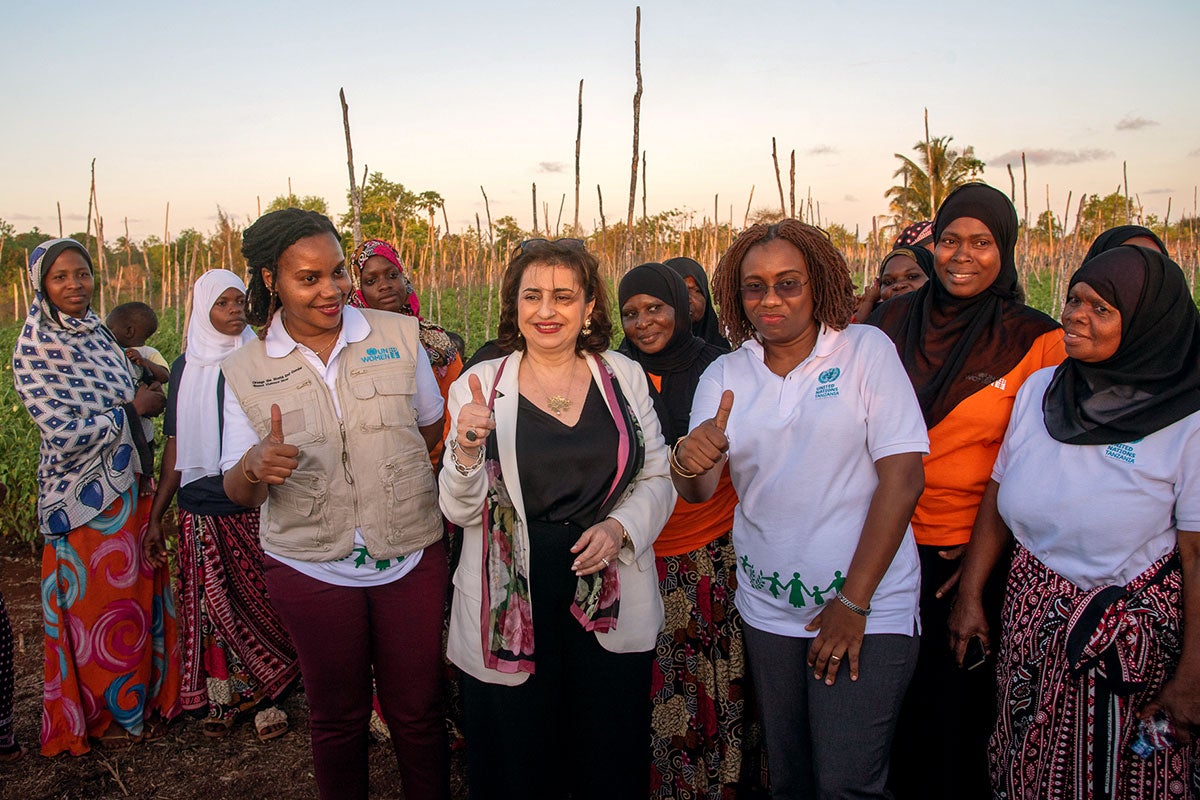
587, 327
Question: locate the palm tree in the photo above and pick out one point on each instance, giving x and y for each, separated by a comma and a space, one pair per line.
913, 199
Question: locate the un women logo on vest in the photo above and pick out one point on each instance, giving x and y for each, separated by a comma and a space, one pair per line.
380, 354
829, 375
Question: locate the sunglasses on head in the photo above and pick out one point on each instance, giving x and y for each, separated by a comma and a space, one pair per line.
574, 244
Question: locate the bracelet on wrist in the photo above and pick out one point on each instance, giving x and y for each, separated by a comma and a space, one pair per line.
673, 460
245, 472
464, 469
855, 607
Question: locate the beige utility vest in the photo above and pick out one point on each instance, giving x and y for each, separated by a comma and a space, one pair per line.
368, 470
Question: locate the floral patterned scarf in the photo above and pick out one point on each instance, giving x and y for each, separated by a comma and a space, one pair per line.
506, 613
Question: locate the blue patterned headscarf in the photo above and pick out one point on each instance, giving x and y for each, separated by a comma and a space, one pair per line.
78, 386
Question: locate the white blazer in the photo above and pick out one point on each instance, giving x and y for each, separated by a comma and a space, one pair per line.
643, 510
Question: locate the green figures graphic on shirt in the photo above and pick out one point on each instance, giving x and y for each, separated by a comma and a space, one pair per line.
362, 557
798, 592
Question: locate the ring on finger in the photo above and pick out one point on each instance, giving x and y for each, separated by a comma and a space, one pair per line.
471, 435
835, 658
605, 560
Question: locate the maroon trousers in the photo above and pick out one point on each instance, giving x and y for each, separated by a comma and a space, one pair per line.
344, 636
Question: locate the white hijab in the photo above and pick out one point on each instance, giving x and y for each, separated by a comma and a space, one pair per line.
197, 433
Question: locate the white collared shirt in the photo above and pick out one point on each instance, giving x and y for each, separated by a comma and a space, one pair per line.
802, 453
358, 568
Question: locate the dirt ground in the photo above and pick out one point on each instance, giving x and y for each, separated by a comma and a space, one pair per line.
184, 764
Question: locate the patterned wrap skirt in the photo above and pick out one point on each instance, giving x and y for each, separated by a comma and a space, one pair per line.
697, 680
112, 648
236, 651
1074, 669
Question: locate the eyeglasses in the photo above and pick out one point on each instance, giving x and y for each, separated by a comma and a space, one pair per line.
574, 244
784, 290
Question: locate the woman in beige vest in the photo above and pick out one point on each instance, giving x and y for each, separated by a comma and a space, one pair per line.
329, 418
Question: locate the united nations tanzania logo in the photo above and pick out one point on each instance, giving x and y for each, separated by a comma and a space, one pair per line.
829, 375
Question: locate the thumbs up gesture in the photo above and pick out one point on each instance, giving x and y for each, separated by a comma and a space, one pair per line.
474, 419
705, 447
272, 460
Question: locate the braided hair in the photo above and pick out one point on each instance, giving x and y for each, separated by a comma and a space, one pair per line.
828, 276
262, 245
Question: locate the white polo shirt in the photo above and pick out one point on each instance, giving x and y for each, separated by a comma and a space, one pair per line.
802, 453
358, 568
1097, 514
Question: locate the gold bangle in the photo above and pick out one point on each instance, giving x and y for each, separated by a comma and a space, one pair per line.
673, 460
245, 471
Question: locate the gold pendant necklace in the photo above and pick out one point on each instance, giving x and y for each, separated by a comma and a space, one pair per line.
557, 403
317, 353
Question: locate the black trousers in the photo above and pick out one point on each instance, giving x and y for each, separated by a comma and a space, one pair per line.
579, 727
940, 749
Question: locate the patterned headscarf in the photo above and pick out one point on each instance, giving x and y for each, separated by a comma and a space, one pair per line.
78, 386
437, 344
918, 234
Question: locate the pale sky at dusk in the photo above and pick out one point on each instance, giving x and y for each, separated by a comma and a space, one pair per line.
219, 103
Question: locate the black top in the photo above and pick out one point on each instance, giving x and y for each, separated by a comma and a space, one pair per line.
206, 496
566, 472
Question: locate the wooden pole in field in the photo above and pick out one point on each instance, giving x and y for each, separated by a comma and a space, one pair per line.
792, 187
778, 180
645, 216
1128, 205
603, 224
91, 196
1012, 185
558, 222
536, 230
929, 166
637, 110
578, 139
746, 218
60, 229
355, 197
1025, 195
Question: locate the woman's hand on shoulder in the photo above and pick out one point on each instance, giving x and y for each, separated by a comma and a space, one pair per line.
705, 447
149, 401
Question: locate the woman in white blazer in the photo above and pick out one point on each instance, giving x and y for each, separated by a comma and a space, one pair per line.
558, 474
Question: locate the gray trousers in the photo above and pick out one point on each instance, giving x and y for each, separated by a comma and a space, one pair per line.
823, 741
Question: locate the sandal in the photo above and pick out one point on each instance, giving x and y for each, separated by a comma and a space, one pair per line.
154, 729
270, 723
216, 727
12, 753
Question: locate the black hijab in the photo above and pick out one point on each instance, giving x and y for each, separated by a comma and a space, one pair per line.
708, 328
1153, 380
954, 346
685, 356
1115, 237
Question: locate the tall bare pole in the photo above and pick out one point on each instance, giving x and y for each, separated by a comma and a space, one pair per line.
488, 209
792, 187
637, 110
644, 214
603, 224
746, 219
59, 206
578, 139
91, 196
535, 222
929, 166
355, 197
1124, 173
1012, 185
1025, 194
778, 180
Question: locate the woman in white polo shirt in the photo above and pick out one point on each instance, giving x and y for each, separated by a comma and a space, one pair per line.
1101, 620
824, 439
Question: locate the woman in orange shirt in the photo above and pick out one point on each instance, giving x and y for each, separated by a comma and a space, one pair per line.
696, 687
968, 342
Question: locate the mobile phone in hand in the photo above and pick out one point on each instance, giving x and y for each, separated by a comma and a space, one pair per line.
975, 655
